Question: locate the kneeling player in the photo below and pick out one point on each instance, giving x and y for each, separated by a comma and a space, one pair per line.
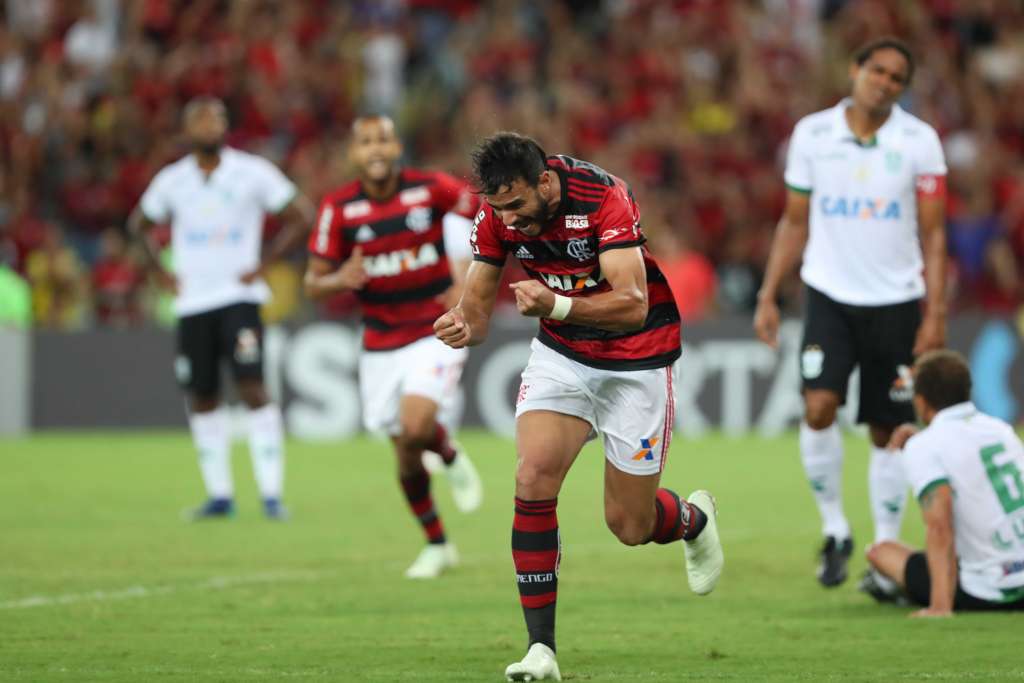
383, 237
602, 363
974, 533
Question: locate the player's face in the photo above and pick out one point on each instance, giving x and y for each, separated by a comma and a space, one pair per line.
206, 127
522, 206
879, 82
375, 148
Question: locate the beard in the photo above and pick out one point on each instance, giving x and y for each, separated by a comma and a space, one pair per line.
207, 147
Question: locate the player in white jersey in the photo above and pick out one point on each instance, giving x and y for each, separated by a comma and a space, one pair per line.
216, 199
965, 469
866, 194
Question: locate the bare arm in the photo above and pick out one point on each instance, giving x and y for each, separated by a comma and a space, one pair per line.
467, 324
140, 228
622, 309
931, 216
937, 510
323, 278
296, 217
787, 248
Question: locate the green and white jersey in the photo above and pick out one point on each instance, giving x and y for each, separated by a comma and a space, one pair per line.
863, 248
981, 458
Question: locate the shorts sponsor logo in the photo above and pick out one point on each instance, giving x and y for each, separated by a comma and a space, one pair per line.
646, 451
575, 222
247, 346
401, 261
183, 369
812, 361
862, 208
419, 219
902, 390
579, 249
522, 393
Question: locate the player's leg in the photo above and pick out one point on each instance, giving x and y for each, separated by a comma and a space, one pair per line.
826, 360
890, 562
242, 339
197, 367
547, 444
886, 402
417, 418
636, 411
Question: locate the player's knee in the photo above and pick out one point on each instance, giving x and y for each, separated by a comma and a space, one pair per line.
820, 413
629, 529
253, 394
204, 403
874, 554
417, 430
536, 479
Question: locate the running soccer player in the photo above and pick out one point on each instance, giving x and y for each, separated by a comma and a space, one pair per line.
965, 469
399, 239
866, 195
216, 199
602, 362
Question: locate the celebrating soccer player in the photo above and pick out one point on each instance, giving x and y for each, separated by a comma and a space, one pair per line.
866, 194
399, 239
602, 362
216, 199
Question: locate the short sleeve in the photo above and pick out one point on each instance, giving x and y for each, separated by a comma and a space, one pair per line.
922, 465
617, 222
484, 241
930, 160
326, 239
156, 202
452, 195
799, 175
276, 191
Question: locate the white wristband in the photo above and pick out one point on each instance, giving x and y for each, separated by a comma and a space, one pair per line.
560, 310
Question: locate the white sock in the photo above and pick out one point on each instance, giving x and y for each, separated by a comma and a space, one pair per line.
266, 446
887, 490
822, 455
211, 434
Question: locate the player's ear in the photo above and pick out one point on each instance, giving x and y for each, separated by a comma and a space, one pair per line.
854, 68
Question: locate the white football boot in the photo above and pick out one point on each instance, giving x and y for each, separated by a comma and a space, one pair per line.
432, 560
539, 664
467, 491
704, 558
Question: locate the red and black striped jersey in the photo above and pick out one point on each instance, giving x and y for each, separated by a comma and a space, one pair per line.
596, 213
402, 241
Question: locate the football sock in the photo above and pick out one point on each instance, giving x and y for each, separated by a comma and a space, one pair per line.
536, 551
442, 445
211, 434
822, 455
417, 491
887, 489
266, 446
675, 518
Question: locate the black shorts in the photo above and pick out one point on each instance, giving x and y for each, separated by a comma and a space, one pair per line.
878, 339
919, 586
233, 333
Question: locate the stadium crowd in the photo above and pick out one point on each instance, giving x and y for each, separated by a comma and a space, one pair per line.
691, 101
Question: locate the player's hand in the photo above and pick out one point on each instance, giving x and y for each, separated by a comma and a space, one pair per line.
351, 274
900, 436
766, 322
452, 329
252, 275
533, 299
166, 280
931, 334
931, 613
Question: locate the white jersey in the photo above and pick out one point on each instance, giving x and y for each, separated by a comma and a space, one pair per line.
863, 247
216, 225
981, 458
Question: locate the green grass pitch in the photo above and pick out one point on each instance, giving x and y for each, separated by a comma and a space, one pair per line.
101, 581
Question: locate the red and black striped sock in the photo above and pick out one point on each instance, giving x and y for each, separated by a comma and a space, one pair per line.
676, 519
442, 445
417, 491
536, 551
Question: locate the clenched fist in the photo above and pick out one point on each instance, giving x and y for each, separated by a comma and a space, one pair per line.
452, 329
533, 298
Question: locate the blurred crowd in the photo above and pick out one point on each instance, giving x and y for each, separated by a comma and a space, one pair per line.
691, 101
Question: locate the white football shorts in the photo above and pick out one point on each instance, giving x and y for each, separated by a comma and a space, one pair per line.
633, 410
426, 367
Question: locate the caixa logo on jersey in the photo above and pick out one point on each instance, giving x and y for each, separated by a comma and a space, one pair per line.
214, 238
401, 261
863, 208
584, 280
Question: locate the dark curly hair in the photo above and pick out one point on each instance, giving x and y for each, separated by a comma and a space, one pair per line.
942, 378
505, 157
864, 53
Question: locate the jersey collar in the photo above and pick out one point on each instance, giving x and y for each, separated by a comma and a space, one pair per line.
842, 128
960, 411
